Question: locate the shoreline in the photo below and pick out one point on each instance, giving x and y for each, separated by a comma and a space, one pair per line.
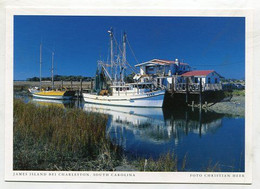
235, 106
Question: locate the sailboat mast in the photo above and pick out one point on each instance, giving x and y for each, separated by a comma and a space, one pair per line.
52, 80
111, 52
124, 57
40, 66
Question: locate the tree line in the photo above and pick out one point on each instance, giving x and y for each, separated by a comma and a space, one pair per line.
61, 78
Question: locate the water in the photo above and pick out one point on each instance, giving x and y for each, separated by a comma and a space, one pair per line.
205, 138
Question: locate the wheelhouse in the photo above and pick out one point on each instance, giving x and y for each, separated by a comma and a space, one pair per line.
131, 88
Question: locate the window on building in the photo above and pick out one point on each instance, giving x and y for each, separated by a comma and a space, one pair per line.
196, 80
150, 68
209, 80
216, 80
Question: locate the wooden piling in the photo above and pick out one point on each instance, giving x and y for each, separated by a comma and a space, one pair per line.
71, 84
91, 84
187, 90
78, 103
200, 94
61, 84
80, 85
173, 84
200, 122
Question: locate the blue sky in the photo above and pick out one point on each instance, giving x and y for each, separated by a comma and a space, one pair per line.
79, 41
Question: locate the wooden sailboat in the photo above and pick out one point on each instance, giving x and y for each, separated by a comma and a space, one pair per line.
39, 92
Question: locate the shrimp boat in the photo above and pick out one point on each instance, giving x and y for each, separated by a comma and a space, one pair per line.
116, 91
39, 92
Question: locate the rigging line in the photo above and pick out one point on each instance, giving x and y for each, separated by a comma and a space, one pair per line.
133, 69
48, 49
132, 51
108, 53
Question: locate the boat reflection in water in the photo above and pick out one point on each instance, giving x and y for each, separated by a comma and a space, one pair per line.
51, 102
153, 131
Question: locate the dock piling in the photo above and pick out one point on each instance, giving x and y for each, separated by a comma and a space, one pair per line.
81, 85
187, 90
200, 94
173, 84
91, 84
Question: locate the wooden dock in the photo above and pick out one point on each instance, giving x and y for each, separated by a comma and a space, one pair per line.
193, 93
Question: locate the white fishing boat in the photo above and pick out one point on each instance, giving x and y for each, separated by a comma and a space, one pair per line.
118, 92
50, 93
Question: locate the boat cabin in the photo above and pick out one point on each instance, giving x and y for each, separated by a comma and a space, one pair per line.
122, 89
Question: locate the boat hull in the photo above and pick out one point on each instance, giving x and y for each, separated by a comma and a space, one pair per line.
152, 99
54, 95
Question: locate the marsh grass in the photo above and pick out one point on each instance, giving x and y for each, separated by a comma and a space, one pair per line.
212, 167
165, 163
51, 138
238, 92
234, 92
56, 139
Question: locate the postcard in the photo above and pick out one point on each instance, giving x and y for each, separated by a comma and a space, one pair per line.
133, 96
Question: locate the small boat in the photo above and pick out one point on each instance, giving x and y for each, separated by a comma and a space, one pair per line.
52, 94
120, 93
39, 92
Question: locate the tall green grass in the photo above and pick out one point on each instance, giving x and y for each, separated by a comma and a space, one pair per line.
238, 92
166, 163
52, 138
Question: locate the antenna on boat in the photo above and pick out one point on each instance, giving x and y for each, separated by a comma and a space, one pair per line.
111, 51
41, 66
52, 80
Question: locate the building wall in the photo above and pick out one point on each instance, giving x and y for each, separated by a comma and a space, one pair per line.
168, 70
212, 77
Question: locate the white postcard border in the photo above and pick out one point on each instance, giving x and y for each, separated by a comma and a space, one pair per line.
137, 177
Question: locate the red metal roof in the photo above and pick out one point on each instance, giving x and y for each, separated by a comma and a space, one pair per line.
198, 73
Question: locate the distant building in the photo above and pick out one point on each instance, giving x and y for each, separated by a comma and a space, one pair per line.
163, 71
207, 76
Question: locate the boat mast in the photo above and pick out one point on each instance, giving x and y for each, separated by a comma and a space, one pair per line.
52, 80
124, 58
111, 51
40, 66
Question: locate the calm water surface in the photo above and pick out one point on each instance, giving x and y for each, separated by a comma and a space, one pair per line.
205, 138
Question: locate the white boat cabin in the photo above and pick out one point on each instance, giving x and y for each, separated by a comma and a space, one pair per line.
123, 89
